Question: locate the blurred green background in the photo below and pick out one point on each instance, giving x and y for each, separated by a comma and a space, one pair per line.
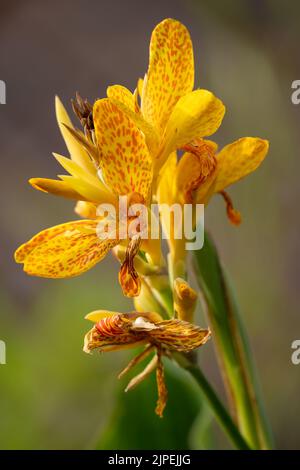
53, 396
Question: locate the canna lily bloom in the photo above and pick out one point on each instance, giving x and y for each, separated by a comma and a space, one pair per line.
164, 106
203, 171
114, 331
113, 145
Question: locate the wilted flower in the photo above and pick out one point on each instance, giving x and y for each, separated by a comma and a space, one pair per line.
114, 331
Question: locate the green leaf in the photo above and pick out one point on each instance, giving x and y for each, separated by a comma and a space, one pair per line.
232, 345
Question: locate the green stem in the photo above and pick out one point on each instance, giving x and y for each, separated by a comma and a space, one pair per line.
216, 405
232, 346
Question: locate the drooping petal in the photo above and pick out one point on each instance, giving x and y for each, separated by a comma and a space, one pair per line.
63, 251
128, 276
161, 386
171, 71
233, 215
125, 160
237, 160
126, 102
179, 335
197, 114
77, 152
59, 188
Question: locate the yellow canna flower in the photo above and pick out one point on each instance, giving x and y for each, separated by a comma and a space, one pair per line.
117, 148
164, 106
115, 331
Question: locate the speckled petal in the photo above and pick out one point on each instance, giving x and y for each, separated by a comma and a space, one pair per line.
171, 71
237, 160
179, 335
197, 114
66, 250
126, 102
125, 160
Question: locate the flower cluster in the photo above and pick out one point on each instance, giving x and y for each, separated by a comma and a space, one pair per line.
129, 145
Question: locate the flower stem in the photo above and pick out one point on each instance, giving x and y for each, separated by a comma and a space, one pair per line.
216, 405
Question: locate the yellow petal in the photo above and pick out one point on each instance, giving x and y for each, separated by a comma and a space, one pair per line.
88, 191
59, 188
77, 152
166, 194
76, 170
171, 71
63, 251
197, 114
125, 101
187, 177
238, 159
98, 315
165, 190
140, 85
122, 95
86, 210
125, 160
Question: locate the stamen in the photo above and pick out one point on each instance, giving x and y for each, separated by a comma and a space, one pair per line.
233, 215
84, 111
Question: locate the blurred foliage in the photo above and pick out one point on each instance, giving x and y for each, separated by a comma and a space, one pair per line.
135, 426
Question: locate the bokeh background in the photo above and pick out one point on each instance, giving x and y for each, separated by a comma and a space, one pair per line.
54, 396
